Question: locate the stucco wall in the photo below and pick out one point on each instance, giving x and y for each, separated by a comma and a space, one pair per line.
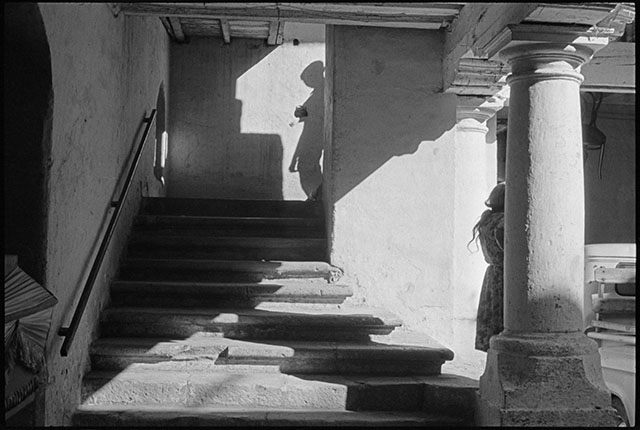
390, 178
232, 132
610, 213
106, 74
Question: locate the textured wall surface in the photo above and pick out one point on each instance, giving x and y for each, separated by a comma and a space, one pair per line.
390, 175
106, 74
232, 131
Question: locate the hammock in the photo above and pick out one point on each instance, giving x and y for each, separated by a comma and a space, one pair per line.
27, 319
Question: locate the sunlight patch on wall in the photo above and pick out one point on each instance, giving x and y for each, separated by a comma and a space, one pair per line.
269, 93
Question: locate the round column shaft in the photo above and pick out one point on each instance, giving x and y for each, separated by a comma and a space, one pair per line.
544, 210
474, 175
542, 370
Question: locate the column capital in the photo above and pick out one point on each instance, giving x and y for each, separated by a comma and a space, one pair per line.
472, 113
588, 39
543, 61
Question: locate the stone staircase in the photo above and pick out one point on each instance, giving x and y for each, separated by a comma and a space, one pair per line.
225, 312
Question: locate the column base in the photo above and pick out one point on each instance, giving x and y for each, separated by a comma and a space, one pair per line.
544, 379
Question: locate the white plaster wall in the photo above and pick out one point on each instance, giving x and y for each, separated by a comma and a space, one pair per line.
106, 74
390, 176
232, 129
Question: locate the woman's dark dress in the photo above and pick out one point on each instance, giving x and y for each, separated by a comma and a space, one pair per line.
490, 308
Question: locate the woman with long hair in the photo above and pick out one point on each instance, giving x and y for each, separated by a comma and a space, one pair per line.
490, 232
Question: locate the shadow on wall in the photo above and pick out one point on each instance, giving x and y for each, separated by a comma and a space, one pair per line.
388, 101
209, 157
400, 130
306, 158
28, 105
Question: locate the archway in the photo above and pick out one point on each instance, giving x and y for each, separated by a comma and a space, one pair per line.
28, 104
160, 151
28, 114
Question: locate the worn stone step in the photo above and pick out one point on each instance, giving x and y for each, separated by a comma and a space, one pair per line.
266, 390
231, 226
214, 353
206, 270
162, 416
245, 323
232, 208
197, 294
153, 244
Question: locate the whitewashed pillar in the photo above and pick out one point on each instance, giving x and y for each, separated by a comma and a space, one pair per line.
542, 370
475, 176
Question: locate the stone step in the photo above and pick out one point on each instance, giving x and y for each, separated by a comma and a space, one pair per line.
157, 245
244, 323
232, 208
231, 226
205, 270
269, 390
162, 416
216, 354
197, 294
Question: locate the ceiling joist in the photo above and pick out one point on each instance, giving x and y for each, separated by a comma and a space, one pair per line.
174, 28
276, 32
226, 31
177, 29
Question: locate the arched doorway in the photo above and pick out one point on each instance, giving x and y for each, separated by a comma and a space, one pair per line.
28, 103
28, 114
160, 151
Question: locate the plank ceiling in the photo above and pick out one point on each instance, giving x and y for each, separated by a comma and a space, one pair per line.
267, 20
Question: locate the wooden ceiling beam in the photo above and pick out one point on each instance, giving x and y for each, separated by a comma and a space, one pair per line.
483, 29
276, 32
174, 28
226, 30
177, 29
273, 32
477, 25
319, 13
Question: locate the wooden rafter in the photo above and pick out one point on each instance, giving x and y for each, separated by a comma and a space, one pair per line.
226, 30
477, 24
276, 30
167, 26
174, 28
177, 29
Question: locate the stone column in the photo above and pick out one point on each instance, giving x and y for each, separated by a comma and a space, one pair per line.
474, 177
542, 370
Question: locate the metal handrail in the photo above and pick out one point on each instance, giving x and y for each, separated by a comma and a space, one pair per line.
69, 332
